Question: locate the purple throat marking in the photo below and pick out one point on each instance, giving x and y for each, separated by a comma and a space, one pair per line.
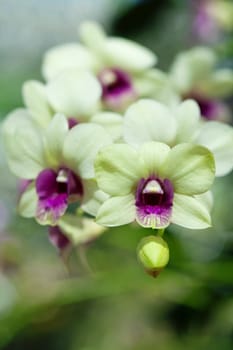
154, 200
117, 87
72, 122
55, 191
210, 109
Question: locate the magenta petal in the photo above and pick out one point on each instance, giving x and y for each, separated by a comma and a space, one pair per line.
55, 190
72, 122
46, 183
155, 217
52, 208
57, 238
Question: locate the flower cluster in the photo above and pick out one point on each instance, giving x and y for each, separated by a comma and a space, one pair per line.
108, 139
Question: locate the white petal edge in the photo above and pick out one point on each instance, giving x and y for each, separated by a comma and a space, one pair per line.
35, 98
23, 144
218, 138
111, 122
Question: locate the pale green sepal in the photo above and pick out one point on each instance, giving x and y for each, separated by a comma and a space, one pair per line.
117, 211
23, 144
93, 197
80, 230
127, 55
117, 169
218, 137
81, 145
35, 98
28, 202
92, 35
153, 155
192, 66
74, 93
53, 140
111, 122
157, 85
207, 199
190, 212
188, 118
190, 168
148, 120
219, 84
67, 56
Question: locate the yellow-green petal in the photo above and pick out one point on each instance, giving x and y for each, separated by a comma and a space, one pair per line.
35, 98
117, 211
190, 168
28, 202
24, 144
190, 212
118, 168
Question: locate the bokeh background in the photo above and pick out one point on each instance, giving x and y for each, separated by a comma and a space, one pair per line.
105, 301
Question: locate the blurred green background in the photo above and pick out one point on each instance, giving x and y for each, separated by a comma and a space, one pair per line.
106, 301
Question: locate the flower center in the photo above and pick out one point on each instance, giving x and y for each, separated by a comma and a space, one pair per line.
117, 87
152, 194
210, 109
72, 122
154, 200
55, 191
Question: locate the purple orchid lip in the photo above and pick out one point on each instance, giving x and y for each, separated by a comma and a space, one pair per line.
55, 191
154, 200
204, 25
210, 109
117, 86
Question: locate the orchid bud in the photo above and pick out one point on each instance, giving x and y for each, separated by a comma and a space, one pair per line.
153, 253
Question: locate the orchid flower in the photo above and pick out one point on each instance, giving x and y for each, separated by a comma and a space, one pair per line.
58, 163
155, 185
211, 17
74, 230
122, 67
147, 120
194, 75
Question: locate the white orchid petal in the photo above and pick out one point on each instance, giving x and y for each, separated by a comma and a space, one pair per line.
74, 93
148, 120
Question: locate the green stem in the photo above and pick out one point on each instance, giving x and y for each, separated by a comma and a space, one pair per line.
160, 232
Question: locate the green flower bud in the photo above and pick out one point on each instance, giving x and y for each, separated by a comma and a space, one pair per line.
153, 253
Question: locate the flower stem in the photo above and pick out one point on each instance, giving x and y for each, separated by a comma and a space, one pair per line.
160, 232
